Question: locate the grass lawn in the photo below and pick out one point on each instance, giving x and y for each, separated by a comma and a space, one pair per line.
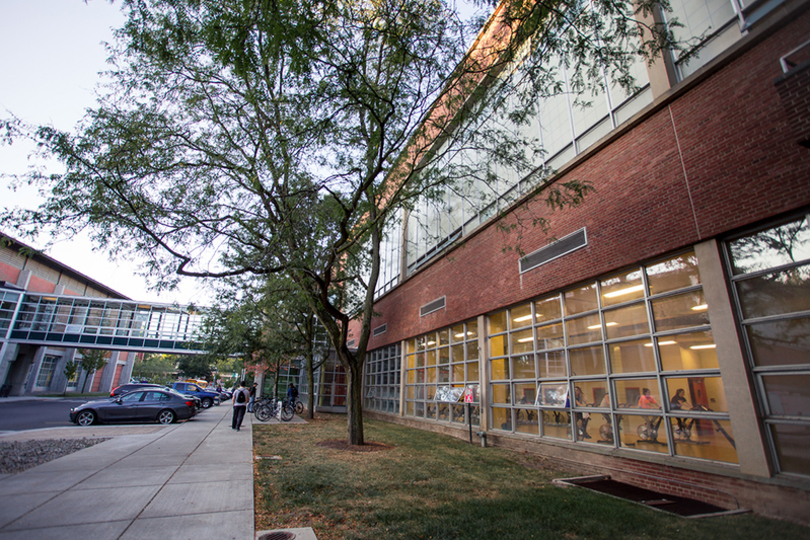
428, 486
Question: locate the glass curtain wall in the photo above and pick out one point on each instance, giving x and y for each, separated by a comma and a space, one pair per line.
711, 25
442, 375
567, 124
627, 361
383, 376
770, 272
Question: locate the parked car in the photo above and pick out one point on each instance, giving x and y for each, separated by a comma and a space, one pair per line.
126, 388
207, 398
143, 405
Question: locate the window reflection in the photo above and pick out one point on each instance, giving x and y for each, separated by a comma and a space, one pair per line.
587, 361
622, 288
551, 364
777, 293
673, 274
787, 394
777, 246
791, 446
627, 321
556, 424
680, 311
581, 300
776, 343
548, 309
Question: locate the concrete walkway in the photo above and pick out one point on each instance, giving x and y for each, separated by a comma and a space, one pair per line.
192, 480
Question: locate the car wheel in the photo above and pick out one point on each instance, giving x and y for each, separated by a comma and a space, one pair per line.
86, 418
165, 417
207, 402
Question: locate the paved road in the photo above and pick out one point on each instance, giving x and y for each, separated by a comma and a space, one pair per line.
18, 415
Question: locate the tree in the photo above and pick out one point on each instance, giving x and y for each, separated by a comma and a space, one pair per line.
253, 137
71, 367
270, 324
156, 368
194, 366
92, 360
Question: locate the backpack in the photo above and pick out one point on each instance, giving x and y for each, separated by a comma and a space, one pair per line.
241, 397
293, 392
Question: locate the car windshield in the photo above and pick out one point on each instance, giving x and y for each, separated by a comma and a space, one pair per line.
175, 392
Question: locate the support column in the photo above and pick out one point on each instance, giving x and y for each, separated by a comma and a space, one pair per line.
740, 392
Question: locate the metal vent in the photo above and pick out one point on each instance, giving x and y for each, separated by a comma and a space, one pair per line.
277, 535
554, 250
436, 305
350, 343
380, 329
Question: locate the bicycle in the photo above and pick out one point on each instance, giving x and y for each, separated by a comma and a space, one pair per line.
265, 408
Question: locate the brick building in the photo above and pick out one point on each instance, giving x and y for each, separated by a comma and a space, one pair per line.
660, 332
36, 369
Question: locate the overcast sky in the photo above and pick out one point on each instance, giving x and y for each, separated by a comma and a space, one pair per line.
51, 52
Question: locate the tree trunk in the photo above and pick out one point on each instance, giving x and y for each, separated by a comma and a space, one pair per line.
354, 400
311, 393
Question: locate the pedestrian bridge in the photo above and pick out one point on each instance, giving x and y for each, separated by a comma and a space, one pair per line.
98, 323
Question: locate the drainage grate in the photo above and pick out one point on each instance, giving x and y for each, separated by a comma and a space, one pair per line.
278, 535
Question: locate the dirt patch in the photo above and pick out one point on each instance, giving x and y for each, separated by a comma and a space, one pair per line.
342, 444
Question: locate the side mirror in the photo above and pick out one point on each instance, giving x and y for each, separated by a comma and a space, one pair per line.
119, 400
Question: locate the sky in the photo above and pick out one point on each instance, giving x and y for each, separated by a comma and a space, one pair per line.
51, 53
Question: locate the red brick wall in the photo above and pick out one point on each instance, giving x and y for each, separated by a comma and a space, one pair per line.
794, 90
731, 136
8, 273
37, 284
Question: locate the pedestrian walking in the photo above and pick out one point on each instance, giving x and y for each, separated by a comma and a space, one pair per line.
240, 399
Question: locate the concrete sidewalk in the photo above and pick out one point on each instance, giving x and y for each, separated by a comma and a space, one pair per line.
185, 481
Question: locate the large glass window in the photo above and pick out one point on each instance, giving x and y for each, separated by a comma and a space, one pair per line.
628, 362
383, 373
771, 278
442, 375
46, 371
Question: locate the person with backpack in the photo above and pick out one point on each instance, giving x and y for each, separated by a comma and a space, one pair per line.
292, 394
240, 400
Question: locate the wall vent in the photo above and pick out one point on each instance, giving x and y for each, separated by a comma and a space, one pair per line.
380, 329
436, 305
350, 344
554, 250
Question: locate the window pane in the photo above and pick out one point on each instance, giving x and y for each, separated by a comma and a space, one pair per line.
581, 300
522, 341
696, 394
587, 361
548, 309
704, 439
780, 342
457, 333
629, 394
472, 330
521, 316
458, 372
775, 294
472, 350
688, 352
780, 245
500, 369
523, 367
553, 394
787, 394
497, 324
584, 329
642, 432
557, 424
550, 336
525, 394
552, 364
791, 444
622, 288
497, 346
501, 394
627, 321
590, 393
472, 371
457, 353
632, 356
680, 311
676, 273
